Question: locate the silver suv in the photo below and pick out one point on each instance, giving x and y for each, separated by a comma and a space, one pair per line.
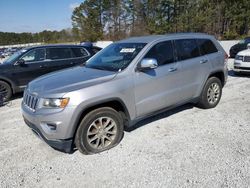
89, 106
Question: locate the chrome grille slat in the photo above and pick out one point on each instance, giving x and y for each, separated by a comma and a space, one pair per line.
30, 101
246, 59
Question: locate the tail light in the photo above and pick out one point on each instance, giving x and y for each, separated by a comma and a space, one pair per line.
226, 58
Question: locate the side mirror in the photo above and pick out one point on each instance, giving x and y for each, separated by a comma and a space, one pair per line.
147, 64
20, 62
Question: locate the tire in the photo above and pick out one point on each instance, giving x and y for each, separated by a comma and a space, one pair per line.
5, 91
236, 73
99, 130
211, 93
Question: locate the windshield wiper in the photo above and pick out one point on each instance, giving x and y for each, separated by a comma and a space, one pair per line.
100, 68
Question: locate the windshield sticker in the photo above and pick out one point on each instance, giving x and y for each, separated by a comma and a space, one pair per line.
127, 50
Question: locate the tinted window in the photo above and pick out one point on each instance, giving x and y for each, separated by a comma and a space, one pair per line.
206, 46
162, 52
96, 49
34, 55
79, 52
58, 53
186, 49
247, 40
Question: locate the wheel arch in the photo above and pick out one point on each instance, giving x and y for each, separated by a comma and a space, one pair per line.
220, 75
115, 103
9, 83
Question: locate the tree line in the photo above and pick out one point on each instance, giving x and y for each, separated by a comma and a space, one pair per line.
66, 35
116, 19
112, 20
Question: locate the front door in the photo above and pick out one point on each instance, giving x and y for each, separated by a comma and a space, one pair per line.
158, 88
32, 68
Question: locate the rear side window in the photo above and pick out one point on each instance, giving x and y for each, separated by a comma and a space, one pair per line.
163, 52
59, 53
79, 52
186, 49
206, 46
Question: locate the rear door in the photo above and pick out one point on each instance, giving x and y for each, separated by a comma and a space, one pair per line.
194, 67
59, 58
158, 88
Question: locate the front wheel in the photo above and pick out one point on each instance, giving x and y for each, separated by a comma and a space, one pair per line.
100, 130
5, 91
211, 93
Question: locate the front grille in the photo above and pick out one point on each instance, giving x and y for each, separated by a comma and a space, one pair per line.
30, 101
246, 59
242, 68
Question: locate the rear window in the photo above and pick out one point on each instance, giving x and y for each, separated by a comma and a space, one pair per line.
79, 52
186, 49
59, 53
206, 46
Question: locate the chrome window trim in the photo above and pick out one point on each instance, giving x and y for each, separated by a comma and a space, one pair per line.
52, 60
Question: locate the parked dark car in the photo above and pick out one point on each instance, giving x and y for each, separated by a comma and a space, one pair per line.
242, 45
29, 63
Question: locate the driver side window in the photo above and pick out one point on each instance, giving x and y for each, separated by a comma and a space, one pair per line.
34, 55
163, 52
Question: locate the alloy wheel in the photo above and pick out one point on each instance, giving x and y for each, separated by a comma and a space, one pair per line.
101, 133
213, 93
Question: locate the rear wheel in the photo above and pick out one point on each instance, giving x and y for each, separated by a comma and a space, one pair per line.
100, 130
211, 93
5, 91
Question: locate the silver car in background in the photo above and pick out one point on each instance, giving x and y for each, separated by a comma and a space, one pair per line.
89, 106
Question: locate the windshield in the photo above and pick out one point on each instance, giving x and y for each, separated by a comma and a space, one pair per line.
14, 56
115, 57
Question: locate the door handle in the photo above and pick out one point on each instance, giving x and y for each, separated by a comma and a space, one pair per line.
42, 66
203, 61
172, 69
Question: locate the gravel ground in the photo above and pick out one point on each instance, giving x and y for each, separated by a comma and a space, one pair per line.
185, 147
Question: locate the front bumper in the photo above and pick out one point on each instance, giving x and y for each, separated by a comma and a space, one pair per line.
51, 125
62, 145
240, 66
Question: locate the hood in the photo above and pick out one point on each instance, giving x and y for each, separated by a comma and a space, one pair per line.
69, 80
244, 52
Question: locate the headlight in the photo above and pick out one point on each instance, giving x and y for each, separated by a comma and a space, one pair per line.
55, 103
239, 57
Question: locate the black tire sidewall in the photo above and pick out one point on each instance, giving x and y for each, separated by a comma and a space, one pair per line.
204, 101
81, 136
9, 91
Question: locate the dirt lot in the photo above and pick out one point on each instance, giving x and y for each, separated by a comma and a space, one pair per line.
185, 147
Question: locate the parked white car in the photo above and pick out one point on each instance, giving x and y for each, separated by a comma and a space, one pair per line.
242, 61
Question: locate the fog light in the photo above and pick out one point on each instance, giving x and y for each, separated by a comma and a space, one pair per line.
52, 127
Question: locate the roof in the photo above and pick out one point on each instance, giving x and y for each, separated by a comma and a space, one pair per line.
151, 38
55, 45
